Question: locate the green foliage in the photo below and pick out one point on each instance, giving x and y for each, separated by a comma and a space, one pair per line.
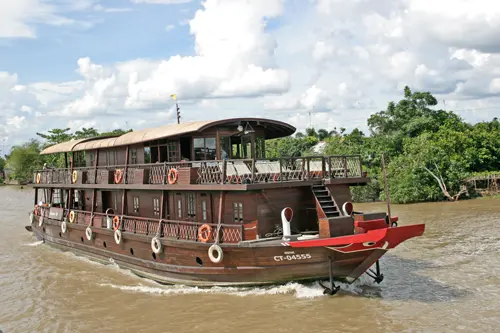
25, 159
86, 133
2, 164
289, 146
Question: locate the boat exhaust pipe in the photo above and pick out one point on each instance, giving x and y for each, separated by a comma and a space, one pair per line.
286, 218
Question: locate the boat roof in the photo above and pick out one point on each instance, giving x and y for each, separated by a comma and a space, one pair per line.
272, 129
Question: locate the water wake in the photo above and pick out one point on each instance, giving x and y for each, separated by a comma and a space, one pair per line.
299, 290
33, 244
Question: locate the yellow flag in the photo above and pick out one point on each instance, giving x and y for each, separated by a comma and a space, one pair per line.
174, 97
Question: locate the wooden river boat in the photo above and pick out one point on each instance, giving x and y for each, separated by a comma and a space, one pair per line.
199, 204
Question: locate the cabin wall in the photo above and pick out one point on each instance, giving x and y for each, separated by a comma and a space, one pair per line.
300, 199
112, 156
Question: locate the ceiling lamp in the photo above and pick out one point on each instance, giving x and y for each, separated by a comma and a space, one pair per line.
240, 128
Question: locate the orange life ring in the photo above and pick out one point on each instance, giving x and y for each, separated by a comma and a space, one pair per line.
173, 175
118, 176
204, 233
72, 216
38, 178
74, 177
116, 223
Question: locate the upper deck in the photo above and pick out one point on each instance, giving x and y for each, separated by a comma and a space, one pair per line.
225, 154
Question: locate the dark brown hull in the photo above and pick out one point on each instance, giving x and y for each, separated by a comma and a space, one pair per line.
249, 264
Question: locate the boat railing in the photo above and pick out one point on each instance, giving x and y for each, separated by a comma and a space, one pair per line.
181, 230
228, 171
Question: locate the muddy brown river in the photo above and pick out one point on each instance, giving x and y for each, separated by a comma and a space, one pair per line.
446, 281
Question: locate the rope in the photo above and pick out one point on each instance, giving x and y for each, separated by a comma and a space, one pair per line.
158, 233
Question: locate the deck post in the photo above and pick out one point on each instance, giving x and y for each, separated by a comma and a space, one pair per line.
125, 176
345, 167
221, 210
308, 168
224, 167
281, 171
253, 170
360, 167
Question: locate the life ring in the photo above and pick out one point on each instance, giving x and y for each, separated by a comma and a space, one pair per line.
88, 233
156, 245
204, 233
215, 254
38, 178
173, 175
118, 237
118, 176
40, 221
72, 216
36, 210
116, 222
74, 176
64, 227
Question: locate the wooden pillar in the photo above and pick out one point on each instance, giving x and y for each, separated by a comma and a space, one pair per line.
66, 160
162, 203
221, 206
125, 177
217, 145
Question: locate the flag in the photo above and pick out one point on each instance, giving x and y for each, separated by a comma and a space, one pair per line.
174, 97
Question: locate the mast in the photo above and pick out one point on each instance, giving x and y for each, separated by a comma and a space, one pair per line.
174, 97
386, 187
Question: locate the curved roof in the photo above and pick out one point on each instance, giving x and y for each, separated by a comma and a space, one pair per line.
272, 129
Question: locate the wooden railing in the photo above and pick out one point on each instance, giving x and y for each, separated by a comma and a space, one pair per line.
246, 171
182, 230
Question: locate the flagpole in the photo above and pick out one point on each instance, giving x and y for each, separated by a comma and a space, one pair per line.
178, 113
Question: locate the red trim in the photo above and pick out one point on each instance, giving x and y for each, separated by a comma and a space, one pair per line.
371, 239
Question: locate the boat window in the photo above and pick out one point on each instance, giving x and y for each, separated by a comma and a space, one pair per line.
91, 158
191, 205
133, 156
136, 205
179, 208
241, 146
260, 147
204, 149
147, 155
56, 197
204, 209
246, 145
79, 159
173, 151
156, 206
238, 211
225, 147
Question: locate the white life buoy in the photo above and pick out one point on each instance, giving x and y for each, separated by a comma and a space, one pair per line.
215, 257
88, 233
40, 221
118, 237
156, 245
64, 227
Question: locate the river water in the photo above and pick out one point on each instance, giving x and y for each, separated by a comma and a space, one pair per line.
446, 281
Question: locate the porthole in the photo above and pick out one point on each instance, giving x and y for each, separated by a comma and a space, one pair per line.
131, 251
154, 255
199, 261
60, 235
104, 244
81, 238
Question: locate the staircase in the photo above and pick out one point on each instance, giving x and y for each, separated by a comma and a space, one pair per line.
325, 200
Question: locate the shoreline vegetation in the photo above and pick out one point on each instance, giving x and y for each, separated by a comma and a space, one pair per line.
431, 155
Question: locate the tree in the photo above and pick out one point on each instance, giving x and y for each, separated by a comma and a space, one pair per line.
322, 134
86, 133
25, 159
116, 132
56, 135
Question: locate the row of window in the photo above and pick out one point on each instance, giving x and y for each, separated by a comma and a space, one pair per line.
191, 207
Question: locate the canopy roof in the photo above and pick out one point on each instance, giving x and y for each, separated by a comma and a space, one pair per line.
272, 129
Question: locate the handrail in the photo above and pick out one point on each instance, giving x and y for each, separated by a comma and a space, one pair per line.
228, 171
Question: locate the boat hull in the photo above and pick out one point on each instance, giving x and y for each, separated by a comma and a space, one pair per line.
187, 263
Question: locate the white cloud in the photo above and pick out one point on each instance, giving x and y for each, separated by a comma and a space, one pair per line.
169, 27
161, 2
342, 60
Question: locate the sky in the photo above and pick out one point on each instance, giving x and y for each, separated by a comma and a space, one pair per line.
113, 64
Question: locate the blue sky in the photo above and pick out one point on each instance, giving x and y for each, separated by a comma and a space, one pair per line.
107, 63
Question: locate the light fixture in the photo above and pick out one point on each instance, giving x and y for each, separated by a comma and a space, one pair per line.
240, 128
248, 128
